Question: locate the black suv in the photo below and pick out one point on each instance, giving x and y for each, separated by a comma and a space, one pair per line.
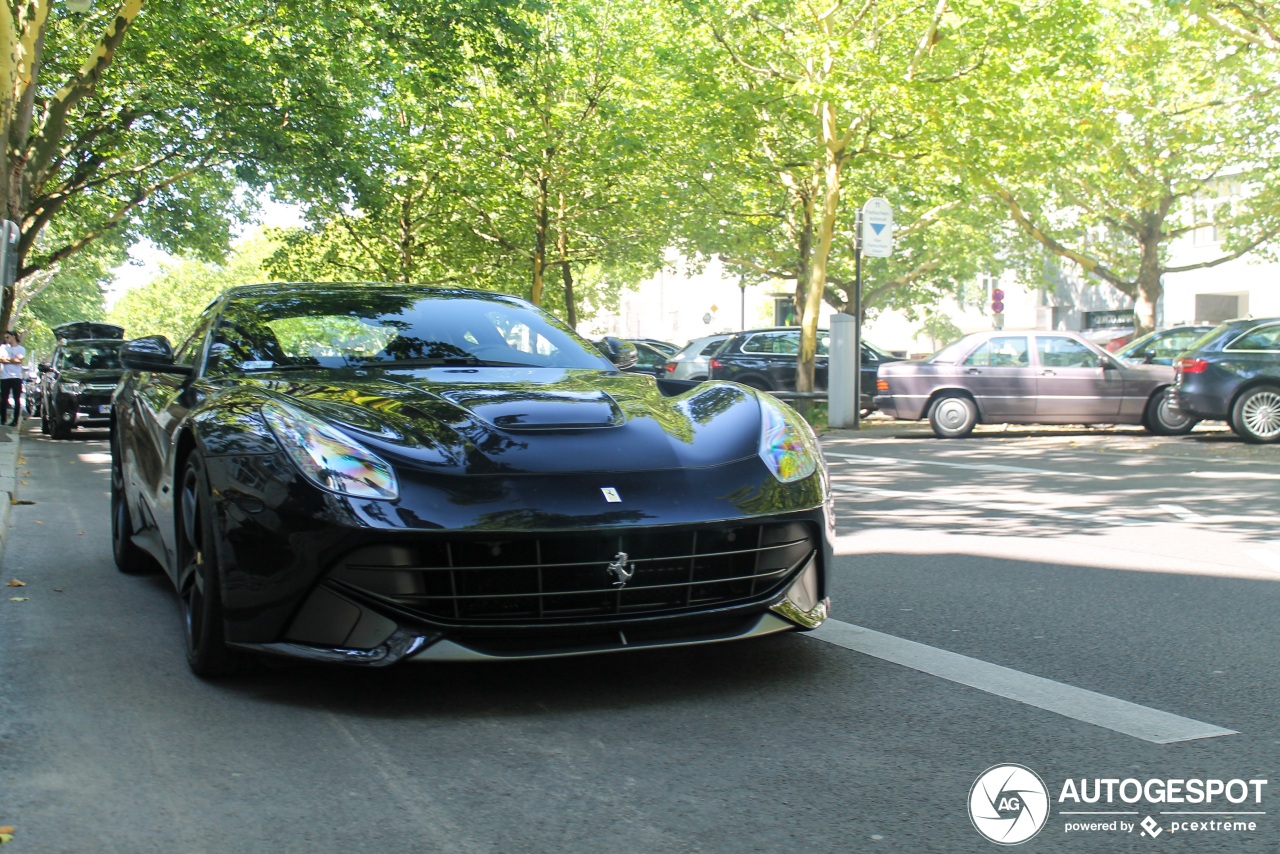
80, 378
766, 359
1233, 373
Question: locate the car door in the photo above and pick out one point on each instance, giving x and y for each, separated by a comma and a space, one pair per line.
1075, 381
149, 414
999, 375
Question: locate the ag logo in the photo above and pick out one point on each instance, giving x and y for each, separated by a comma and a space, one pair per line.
1008, 804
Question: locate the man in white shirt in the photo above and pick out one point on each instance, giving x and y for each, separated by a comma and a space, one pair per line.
11, 356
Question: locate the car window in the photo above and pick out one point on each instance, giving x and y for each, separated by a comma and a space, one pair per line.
711, 347
1005, 351
1056, 352
1171, 345
1263, 338
776, 343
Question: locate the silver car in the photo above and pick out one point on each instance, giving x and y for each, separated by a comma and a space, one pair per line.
1032, 377
693, 362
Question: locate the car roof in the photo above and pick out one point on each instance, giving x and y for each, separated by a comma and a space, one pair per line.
83, 329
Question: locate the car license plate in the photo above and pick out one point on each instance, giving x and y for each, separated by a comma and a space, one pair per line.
104, 409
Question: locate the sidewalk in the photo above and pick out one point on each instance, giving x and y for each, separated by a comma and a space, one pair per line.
9, 450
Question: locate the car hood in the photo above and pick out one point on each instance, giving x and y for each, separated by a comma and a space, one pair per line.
516, 420
95, 377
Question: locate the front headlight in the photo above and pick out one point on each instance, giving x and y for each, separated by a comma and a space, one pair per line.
787, 445
328, 457
69, 388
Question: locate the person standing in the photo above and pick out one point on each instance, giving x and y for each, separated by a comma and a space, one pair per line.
11, 356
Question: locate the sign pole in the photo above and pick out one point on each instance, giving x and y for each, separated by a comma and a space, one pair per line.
857, 321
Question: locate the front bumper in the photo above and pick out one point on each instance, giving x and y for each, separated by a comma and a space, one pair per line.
798, 608
84, 410
516, 566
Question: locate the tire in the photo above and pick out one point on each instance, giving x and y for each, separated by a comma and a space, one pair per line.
130, 559
44, 421
57, 429
953, 416
1163, 420
1256, 415
199, 580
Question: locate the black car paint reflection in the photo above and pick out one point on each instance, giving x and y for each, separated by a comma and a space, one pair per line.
454, 446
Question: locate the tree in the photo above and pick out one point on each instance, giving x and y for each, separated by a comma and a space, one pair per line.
537, 170
862, 90
1149, 132
170, 304
136, 121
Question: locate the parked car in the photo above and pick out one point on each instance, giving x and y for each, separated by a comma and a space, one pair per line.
1162, 346
371, 473
766, 359
649, 359
1232, 373
1033, 377
694, 361
77, 384
664, 347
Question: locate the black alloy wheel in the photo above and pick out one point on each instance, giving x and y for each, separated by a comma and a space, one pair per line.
199, 580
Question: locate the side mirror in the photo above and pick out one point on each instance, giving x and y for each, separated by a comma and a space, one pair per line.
152, 353
623, 354
45, 367
1148, 357
1107, 363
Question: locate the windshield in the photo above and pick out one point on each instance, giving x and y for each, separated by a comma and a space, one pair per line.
376, 327
99, 357
951, 353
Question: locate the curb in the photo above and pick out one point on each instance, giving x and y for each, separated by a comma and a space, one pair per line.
10, 444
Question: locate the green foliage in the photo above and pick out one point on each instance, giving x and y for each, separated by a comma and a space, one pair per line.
170, 304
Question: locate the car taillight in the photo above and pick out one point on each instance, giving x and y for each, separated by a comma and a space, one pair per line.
882, 385
716, 364
1192, 366
671, 367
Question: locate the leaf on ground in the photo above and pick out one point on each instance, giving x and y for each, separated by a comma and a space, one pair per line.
13, 582
19, 598
39, 521
79, 533
5, 838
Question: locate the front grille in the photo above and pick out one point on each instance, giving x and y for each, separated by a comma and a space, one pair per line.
559, 578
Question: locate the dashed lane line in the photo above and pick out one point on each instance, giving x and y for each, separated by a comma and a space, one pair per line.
1079, 704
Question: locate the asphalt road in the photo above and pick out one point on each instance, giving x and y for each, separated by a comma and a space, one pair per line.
1064, 600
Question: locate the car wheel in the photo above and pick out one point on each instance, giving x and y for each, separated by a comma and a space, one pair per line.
129, 558
1256, 415
59, 430
953, 416
1163, 419
199, 581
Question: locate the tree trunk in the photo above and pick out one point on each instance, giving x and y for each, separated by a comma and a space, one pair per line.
543, 218
1149, 287
566, 271
825, 234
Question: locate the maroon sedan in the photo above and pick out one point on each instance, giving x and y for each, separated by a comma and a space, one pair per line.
1031, 377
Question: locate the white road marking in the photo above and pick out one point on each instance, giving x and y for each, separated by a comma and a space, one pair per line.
1181, 512
1077, 703
1270, 560
991, 467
